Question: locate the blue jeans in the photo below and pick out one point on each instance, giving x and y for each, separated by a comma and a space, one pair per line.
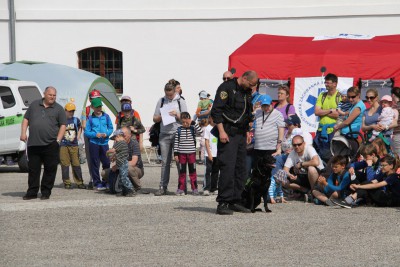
124, 181
166, 142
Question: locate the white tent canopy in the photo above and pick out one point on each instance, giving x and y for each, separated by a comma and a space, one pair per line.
71, 83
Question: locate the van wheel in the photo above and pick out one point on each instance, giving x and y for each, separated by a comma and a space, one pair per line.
23, 162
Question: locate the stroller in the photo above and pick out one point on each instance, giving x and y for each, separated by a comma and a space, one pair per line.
347, 145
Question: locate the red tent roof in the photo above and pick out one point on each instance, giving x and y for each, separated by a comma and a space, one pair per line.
282, 57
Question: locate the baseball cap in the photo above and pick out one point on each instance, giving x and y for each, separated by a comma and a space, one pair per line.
125, 97
265, 100
96, 102
387, 98
116, 133
203, 94
294, 119
94, 94
126, 107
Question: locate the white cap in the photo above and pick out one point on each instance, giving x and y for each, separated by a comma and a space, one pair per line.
203, 94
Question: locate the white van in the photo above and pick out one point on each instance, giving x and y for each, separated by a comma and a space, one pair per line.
15, 98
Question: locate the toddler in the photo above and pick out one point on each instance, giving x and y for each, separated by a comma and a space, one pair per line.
385, 118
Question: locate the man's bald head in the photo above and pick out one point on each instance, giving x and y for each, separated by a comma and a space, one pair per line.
127, 133
227, 75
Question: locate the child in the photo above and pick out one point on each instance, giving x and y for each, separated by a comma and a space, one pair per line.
203, 124
338, 182
212, 170
385, 118
275, 193
204, 106
98, 129
120, 152
185, 153
343, 109
69, 150
126, 118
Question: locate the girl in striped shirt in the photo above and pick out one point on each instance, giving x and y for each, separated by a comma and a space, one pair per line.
185, 152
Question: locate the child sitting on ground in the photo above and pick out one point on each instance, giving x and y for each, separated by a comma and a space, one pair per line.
385, 118
335, 186
121, 150
185, 153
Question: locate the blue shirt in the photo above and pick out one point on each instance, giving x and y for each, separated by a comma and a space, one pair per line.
356, 124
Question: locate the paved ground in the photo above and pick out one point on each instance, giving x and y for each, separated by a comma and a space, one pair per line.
86, 228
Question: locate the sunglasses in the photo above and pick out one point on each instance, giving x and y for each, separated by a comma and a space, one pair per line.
351, 96
297, 145
370, 97
226, 78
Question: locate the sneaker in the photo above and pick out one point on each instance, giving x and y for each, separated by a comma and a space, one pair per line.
349, 200
100, 188
161, 192
308, 198
29, 197
180, 192
68, 186
341, 203
81, 186
90, 186
195, 192
206, 193
130, 193
239, 208
329, 203
223, 209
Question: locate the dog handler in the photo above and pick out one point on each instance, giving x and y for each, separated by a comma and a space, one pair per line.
231, 113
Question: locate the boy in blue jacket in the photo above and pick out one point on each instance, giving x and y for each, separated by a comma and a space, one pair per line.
336, 185
98, 128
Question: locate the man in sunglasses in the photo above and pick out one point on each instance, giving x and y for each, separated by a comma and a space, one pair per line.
303, 166
325, 109
231, 113
227, 76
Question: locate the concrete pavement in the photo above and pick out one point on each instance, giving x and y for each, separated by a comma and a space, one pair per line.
87, 228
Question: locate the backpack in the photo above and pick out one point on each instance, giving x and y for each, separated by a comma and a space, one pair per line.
287, 107
325, 94
154, 132
120, 116
191, 130
113, 182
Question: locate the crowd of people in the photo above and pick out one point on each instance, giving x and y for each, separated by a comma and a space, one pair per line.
237, 128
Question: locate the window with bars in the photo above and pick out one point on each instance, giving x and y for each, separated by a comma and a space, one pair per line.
105, 62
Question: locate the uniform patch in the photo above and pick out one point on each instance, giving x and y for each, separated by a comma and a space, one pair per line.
223, 95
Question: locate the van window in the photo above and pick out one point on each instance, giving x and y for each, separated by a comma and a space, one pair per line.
29, 94
7, 98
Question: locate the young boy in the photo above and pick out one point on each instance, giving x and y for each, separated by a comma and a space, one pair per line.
336, 185
120, 150
98, 129
212, 170
185, 153
69, 150
126, 118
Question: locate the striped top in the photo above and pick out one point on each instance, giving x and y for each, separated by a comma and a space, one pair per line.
266, 132
121, 152
186, 142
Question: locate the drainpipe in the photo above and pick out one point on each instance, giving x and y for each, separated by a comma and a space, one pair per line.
11, 23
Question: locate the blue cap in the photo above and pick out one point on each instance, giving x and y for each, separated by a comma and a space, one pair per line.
117, 132
265, 100
126, 107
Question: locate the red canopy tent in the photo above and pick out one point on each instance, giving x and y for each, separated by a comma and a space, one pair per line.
283, 57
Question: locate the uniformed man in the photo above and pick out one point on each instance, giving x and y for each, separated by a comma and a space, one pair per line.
232, 113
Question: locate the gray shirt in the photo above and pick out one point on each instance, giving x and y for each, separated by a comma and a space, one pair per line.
171, 128
44, 123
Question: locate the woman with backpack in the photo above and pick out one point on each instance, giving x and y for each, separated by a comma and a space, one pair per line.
283, 104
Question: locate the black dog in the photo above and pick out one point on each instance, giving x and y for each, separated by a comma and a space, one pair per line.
257, 185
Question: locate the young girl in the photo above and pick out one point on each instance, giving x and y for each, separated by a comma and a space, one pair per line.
386, 117
384, 192
185, 153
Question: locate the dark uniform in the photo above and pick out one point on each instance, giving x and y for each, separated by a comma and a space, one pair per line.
232, 107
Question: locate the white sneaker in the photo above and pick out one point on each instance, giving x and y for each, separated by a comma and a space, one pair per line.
206, 193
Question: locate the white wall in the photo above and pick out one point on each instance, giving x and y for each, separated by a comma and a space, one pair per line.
186, 40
